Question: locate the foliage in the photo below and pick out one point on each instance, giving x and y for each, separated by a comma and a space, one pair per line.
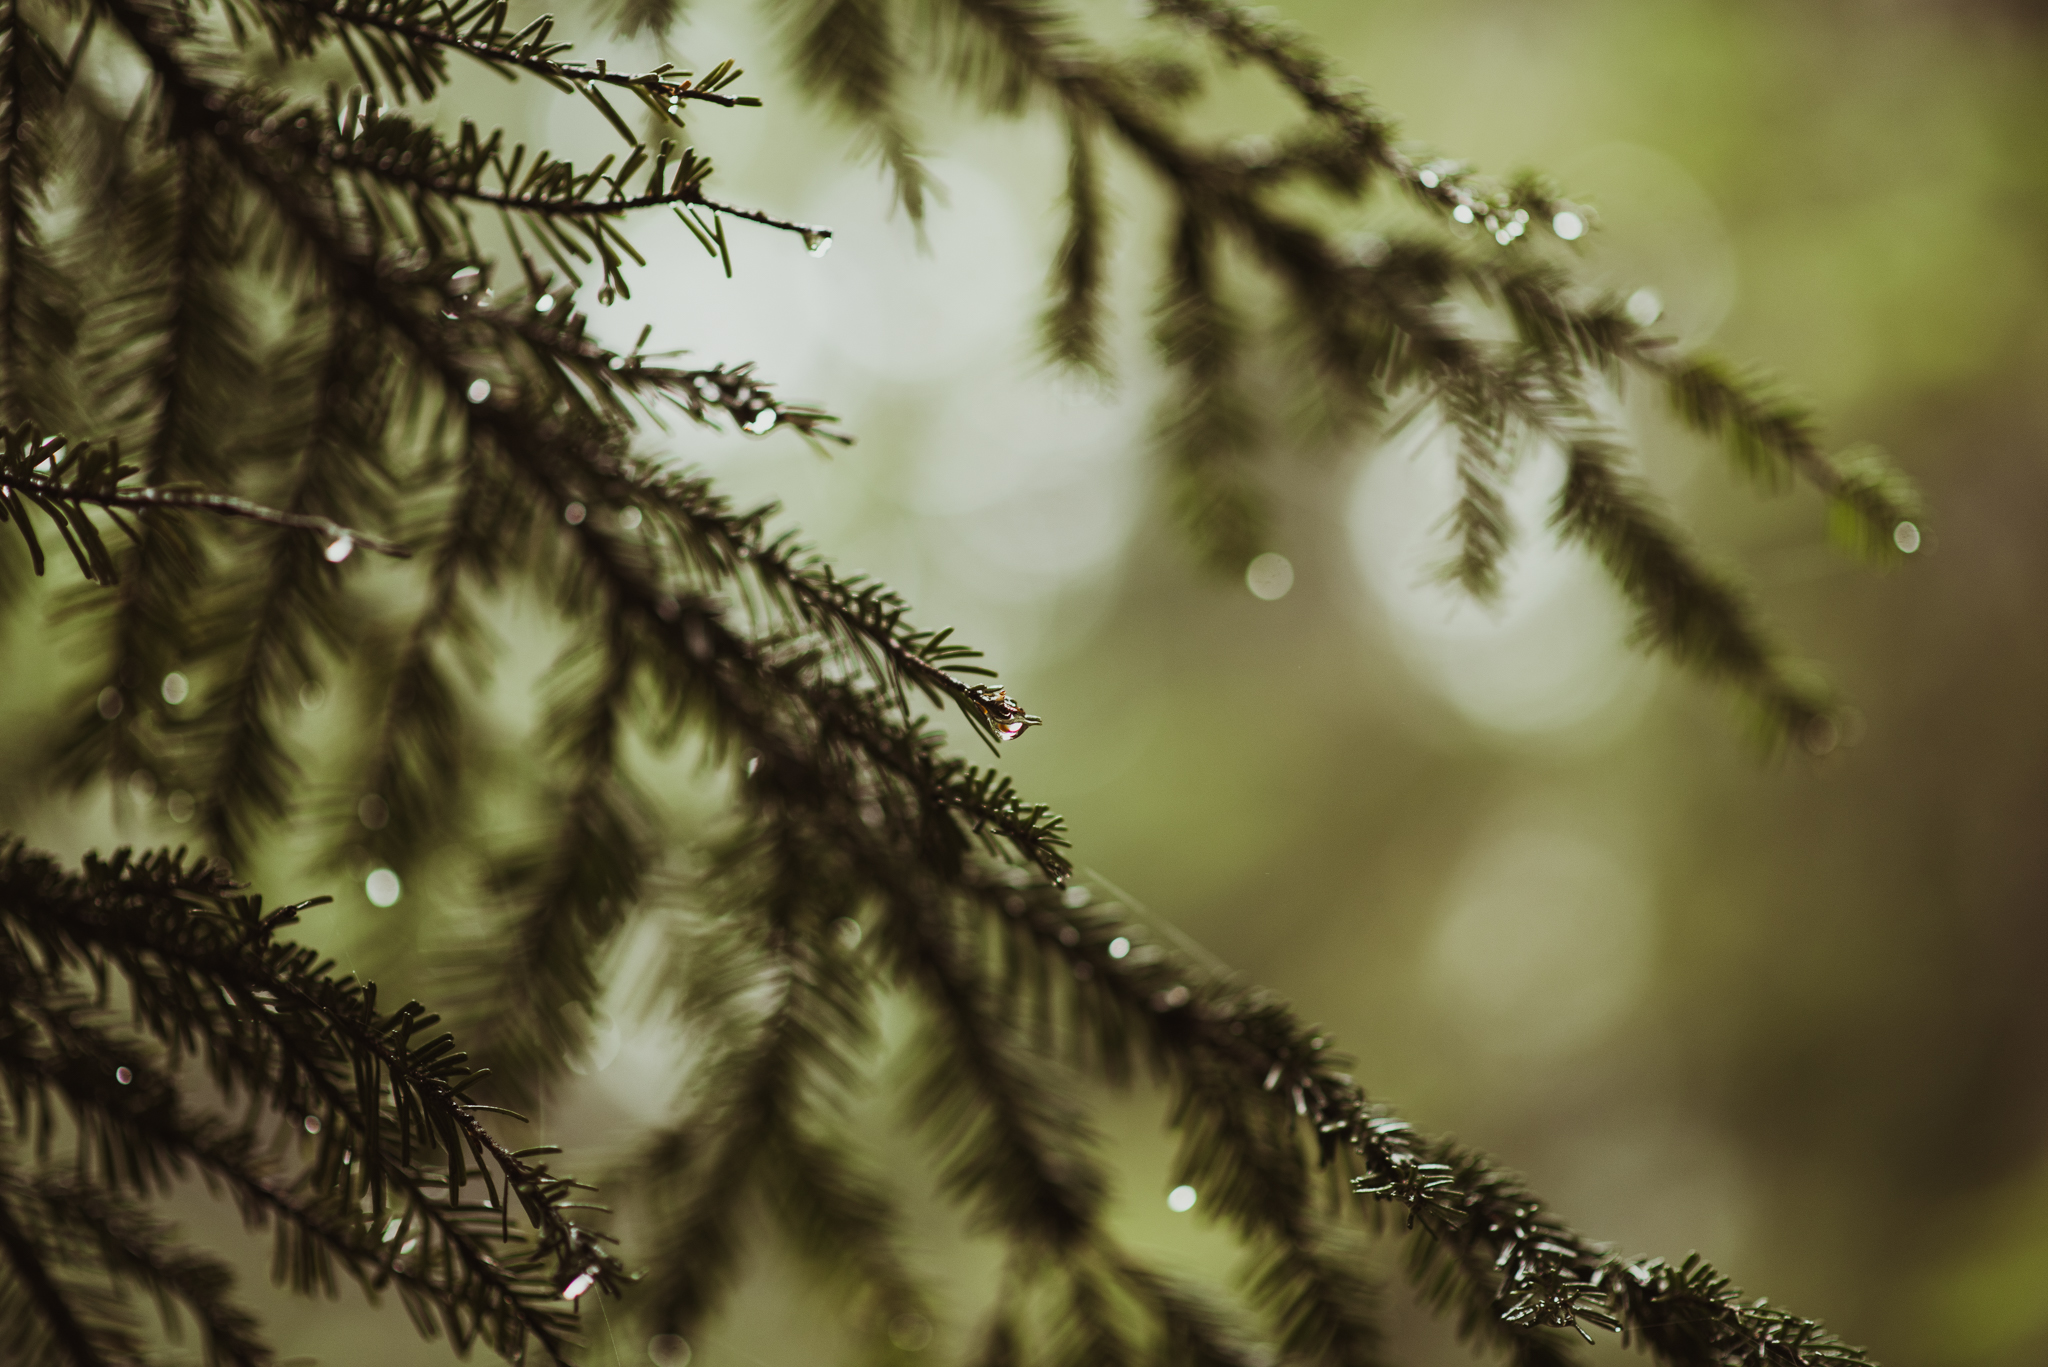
295, 310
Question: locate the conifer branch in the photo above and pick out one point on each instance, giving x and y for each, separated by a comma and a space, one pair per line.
1546, 1275
278, 1025
476, 29
65, 1337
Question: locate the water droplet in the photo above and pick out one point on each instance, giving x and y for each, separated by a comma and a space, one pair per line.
668, 1350
312, 695
1429, 179
1906, 537
179, 805
1011, 730
373, 812
544, 304
1463, 213
142, 785
176, 688
383, 888
817, 241
1568, 226
910, 1332
1269, 576
763, 421
848, 931
574, 514
123, 1076
312, 1124
666, 608
616, 363
465, 280
1119, 947
1503, 237
629, 519
753, 765
339, 548
409, 1245
584, 1281
1181, 1199
479, 390
110, 703
1645, 307
1077, 897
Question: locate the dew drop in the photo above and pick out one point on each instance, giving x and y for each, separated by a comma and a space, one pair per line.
1076, 897
817, 241
312, 1124
479, 389
176, 688
544, 304
1119, 947
179, 805
383, 888
1269, 576
1429, 179
668, 1350
373, 812
1906, 536
142, 785
910, 1332
574, 514
312, 696
848, 931
1644, 307
584, 1281
1181, 1199
1568, 226
110, 703
1463, 213
629, 519
339, 548
123, 1076
763, 422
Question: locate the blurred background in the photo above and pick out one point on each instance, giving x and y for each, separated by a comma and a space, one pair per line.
1788, 1012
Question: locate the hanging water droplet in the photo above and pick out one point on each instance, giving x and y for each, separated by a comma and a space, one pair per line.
1645, 307
176, 688
763, 421
544, 304
465, 280
848, 931
1463, 213
584, 1281
1568, 226
383, 888
1119, 947
616, 363
1181, 1199
339, 548
312, 1124
1906, 537
817, 241
479, 390
123, 1076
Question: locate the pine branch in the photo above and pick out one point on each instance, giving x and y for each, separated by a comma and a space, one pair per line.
1546, 1276
143, 1251
65, 1335
37, 321
277, 1025
425, 29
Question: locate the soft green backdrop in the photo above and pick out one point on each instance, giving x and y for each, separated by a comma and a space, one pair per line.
1788, 1012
